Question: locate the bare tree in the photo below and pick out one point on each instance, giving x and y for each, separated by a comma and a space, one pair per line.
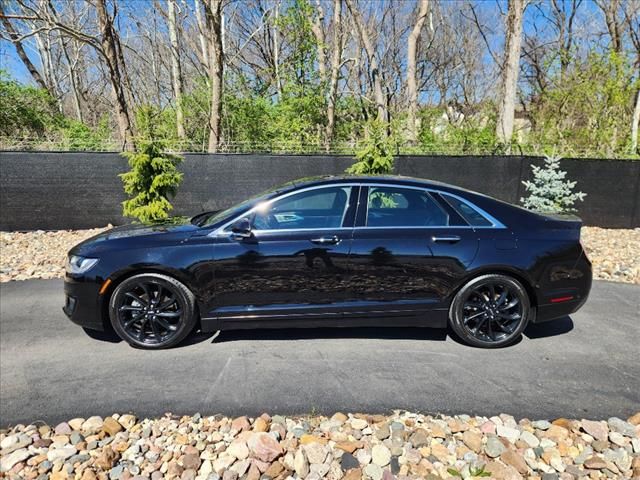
14, 37
112, 52
509, 75
563, 19
412, 88
615, 24
213, 14
374, 70
176, 69
106, 44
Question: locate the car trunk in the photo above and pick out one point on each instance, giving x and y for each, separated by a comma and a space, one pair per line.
567, 226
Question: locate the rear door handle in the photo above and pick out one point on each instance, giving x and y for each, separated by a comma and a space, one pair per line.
326, 240
445, 239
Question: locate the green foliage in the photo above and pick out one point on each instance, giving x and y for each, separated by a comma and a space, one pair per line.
295, 26
153, 178
296, 121
471, 134
549, 191
375, 155
25, 111
31, 114
588, 110
77, 136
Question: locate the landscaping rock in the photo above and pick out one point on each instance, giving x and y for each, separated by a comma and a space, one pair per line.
494, 447
264, 447
7, 462
314, 448
380, 455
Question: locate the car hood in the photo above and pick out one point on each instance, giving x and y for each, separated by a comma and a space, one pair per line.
136, 235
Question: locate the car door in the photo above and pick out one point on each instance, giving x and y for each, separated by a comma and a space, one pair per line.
295, 261
408, 249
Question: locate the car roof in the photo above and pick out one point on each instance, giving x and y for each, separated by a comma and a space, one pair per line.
391, 179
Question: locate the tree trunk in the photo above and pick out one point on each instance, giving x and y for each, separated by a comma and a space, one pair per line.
73, 80
510, 67
373, 60
43, 47
201, 38
213, 11
317, 26
15, 39
634, 125
276, 52
336, 60
412, 88
176, 70
109, 47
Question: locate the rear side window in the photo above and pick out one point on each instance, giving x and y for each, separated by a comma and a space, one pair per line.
466, 211
403, 207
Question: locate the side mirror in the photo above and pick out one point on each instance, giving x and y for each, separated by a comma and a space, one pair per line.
241, 229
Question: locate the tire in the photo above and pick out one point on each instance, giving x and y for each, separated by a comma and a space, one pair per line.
143, 314
490, 311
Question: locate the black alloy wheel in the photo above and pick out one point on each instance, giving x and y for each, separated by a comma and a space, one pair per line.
152, 311
490, 311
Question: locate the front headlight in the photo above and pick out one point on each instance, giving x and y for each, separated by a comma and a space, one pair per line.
77, 264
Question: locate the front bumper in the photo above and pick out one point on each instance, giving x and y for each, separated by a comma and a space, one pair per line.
83, 303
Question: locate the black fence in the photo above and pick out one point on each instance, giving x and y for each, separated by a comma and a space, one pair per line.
61, 190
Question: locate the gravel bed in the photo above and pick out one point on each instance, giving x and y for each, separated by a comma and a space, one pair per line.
38, 254
400, 446
615, 253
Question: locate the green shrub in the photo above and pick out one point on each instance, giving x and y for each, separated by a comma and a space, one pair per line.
77, 136
25, 111
153, 178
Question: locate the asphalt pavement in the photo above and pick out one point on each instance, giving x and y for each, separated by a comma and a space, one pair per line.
585, 366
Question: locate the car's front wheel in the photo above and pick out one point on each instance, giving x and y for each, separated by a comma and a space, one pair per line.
490, 311
152, 311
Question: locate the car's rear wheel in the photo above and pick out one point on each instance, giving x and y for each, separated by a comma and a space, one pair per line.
490, 311
152, 311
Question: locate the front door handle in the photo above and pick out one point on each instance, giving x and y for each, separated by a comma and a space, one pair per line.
326, 240
445, 239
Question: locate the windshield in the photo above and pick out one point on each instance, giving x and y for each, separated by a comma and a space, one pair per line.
242, 206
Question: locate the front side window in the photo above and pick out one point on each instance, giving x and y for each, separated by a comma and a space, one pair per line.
316, 209
403, 207
466, 211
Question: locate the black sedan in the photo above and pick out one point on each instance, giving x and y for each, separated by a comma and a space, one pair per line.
334, 251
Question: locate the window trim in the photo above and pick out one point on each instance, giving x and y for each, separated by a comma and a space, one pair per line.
495, 223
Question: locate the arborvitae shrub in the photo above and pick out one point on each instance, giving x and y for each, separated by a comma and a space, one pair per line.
375, 156
153, 178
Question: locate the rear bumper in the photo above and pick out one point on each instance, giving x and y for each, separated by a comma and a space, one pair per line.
568, 299
83, 304
554, 311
